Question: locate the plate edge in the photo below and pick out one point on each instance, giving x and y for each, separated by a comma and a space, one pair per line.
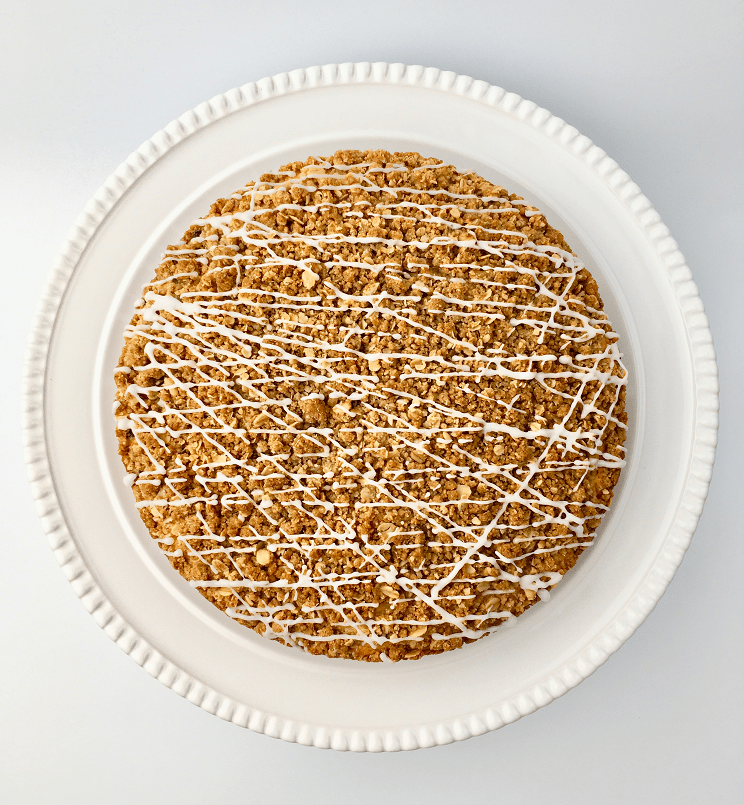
593, 655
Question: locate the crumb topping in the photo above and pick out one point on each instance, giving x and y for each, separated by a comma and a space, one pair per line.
371, 406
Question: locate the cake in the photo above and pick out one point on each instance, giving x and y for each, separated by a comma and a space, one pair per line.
371, 407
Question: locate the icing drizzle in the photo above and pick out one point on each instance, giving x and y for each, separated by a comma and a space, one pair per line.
230, 350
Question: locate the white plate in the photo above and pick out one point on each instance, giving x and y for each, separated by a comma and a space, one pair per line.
168, 627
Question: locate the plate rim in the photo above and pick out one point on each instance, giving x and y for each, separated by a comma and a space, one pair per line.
596, 652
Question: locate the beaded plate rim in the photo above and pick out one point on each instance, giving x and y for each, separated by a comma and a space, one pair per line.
581, 665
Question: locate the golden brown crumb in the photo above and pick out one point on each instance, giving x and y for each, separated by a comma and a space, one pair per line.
372, 406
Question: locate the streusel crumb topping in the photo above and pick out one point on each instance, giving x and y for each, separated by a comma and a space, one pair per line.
371, 406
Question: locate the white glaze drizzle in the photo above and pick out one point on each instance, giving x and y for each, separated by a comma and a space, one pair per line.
196, 314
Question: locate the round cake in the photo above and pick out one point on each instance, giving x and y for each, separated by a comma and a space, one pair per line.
371, 407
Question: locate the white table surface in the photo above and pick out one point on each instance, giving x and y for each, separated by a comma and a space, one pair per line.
659, 86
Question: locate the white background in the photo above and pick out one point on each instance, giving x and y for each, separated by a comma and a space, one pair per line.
659, 86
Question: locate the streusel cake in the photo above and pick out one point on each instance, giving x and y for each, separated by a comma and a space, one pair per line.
371, 406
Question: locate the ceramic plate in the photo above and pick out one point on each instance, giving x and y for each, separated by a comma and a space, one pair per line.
164, 624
